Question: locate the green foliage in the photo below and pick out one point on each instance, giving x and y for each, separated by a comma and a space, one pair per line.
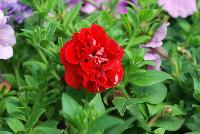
142, 78
15, 124
93, 115
145, 101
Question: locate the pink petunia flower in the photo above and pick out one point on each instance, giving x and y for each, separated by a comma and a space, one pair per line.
123, 4
179, 8
155, 47
87, 7
7, 38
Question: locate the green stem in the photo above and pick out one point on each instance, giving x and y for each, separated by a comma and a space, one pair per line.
16, 71
53, 72
166, 111
152, 120
42, 56
122, 88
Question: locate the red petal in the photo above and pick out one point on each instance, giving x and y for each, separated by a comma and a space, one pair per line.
70, 53
62, 54
114, 72
114, 50
82, 36
71, 76
98, 33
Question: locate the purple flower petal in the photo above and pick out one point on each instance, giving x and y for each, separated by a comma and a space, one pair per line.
6, 52
121, 7
155, 58
72, 3
155, 47
158, 37
88, 8
15, 10
3, 19
161, 33
179, 8
152, 44
7, 37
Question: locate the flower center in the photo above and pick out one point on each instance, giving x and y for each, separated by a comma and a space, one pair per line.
99, 57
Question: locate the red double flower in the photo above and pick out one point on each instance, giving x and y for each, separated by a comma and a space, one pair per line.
92, 60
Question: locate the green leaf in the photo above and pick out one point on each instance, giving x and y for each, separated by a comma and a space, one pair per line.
47, 130
133, 18
155, 93
30, 81
33, 118
193, 123
146, 14
196, 88
49, 123
126, 23
51, 30
147, 78
137, 112
12, 105
170, 123
15, 124
119, 103
60, 42
97, 103
122, 103
36, 64
153, 109
104, 122
5, 132
159, 131
184, 24
10, 78
196, 132
72, 14
176, 110
122, 127
138, 41
27, 2
93, 17
69, 105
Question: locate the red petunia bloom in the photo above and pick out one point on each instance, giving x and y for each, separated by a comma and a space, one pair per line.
92, 60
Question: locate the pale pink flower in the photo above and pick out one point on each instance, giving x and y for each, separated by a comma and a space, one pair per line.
7, 38
155, 47
179, 8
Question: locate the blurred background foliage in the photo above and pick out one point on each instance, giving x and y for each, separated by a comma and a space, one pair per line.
149, 102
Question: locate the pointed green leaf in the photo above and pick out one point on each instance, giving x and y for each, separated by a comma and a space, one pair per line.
147, 78
97, 103
15, 124
69, 105
33, 118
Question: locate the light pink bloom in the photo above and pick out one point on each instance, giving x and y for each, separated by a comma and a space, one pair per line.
7, 38
155, 47
87, 7
152, 56
179, 8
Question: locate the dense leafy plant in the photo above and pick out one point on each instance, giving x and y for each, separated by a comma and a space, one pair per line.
145, 101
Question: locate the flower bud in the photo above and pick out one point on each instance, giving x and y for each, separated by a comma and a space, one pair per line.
168, 110
5, 84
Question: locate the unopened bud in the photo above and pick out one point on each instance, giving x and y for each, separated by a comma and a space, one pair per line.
184, 52
168, 110
5, 84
